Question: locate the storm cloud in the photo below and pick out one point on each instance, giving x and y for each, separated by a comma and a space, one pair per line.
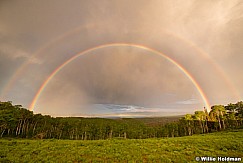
204, 37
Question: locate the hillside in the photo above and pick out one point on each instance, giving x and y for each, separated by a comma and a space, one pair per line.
179, 149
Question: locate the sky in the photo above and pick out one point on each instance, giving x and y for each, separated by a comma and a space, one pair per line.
121, 58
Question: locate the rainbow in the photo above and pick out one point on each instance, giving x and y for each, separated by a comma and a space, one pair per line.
22, 68
58, 69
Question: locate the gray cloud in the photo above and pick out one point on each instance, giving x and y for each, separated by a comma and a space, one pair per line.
199, 35
188, 102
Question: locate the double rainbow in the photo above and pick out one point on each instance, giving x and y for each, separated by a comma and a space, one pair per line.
59, 68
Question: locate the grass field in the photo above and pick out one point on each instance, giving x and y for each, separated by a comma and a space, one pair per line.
180, 149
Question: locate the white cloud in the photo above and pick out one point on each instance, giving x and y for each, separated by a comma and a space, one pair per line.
17, 53
188, 102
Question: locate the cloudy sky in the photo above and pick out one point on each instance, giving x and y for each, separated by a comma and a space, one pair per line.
126, 76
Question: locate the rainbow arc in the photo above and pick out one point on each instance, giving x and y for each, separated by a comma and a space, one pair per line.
59, 68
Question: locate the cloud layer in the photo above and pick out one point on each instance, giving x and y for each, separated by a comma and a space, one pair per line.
205, 37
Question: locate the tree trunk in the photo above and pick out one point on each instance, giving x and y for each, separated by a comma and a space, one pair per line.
110, 135
34, 128
18, 127
76, 136
23, 128
85, 135
201, 125
2, 132
60, 135
223, 124
219, 121
206, 126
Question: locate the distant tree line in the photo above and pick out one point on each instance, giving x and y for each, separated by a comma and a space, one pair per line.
16, 121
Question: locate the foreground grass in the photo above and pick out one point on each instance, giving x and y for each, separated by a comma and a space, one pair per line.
180, 149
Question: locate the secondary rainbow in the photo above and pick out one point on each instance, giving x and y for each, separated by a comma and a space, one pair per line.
22, 68
58, 69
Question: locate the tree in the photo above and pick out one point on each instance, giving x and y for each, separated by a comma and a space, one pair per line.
189, 120
201, 117
239, 109
217, 113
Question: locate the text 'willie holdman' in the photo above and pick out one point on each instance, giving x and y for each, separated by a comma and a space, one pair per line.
220, 159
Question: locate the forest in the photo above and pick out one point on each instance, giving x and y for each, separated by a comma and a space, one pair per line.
18, 122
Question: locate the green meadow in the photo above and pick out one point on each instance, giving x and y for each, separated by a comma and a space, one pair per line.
177, 149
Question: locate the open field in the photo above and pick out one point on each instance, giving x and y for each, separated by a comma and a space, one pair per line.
179, 149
